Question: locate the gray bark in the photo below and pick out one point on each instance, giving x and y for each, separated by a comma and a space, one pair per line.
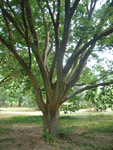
51, 123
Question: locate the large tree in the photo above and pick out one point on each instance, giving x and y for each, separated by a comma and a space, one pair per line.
60, 36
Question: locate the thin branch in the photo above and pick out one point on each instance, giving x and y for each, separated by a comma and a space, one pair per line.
67, 67
26, 68
11, 19
1, 64
86, 88
92, 7
43, 14
14, 13
51, 14
85, 83
73, 8
53, 66
74, 56
78, 71
35, 48
45, 54
46, 48
30, 22
74, 67
9, 28
26, 33
50, 49
58, 13
6, 78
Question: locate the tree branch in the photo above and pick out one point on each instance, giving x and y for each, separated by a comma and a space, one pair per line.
92, 7
67, 66
79, 69
50, 49
25, 67
46, 49
43, 14
14, 13
6, 78
61, 50
58, 13
30, 23
73, 8
86, 88
35, 49
56, 29
85, 83
74, 56
12, 20
51, 14
26, 33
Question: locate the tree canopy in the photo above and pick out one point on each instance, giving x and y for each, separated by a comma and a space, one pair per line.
52, 40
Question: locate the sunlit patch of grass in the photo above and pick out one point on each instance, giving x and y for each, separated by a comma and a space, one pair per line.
87, 145
22, 119
5, 130
97, 123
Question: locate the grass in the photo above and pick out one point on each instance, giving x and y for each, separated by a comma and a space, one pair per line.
94, 123
5, 130
91, 131
22, 119
7, 139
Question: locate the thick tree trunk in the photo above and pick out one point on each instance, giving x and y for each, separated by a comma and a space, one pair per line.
51, 122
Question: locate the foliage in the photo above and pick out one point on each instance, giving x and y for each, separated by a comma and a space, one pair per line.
65, 133
72, 105
49, 137
101, 99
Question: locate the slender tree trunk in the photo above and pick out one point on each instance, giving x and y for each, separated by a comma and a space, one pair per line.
51, 122
11, 104
19, 103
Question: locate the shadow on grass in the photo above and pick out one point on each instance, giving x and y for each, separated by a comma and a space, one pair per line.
5, 130
7, 139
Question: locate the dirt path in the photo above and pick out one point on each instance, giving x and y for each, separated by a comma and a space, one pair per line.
18, 111
24, 111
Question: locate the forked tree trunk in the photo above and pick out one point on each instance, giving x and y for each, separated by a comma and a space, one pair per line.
51, 122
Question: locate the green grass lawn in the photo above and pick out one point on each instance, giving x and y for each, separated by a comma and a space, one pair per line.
84, 131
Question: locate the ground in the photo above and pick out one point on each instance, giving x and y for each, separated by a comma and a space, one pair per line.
21, 129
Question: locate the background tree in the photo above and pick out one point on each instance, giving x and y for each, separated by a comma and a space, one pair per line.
59, 36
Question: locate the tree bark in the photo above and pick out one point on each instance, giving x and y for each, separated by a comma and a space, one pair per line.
51, 122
